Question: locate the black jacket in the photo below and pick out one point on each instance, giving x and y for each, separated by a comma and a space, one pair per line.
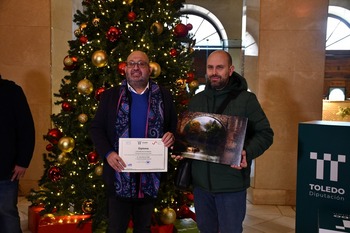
17, 134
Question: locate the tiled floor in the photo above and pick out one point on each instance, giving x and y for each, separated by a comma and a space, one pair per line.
259, 218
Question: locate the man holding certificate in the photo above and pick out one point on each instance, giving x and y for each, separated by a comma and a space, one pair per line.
132, 129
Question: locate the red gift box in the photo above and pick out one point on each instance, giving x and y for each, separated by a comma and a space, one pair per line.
168, 228
67, 224
192, 215
34, 217
56, 224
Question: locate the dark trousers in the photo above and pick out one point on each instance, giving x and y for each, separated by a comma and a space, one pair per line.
120, 211
9, 218
220, 212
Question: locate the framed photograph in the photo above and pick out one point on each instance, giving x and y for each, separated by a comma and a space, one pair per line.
211, 137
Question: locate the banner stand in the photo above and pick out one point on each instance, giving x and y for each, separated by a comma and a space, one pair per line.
323, 177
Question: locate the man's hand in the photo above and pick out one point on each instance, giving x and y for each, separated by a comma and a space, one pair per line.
177, 157
115, 161
18, 172
168, 139
244, 163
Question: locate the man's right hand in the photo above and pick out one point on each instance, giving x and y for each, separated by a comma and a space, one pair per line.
115, 161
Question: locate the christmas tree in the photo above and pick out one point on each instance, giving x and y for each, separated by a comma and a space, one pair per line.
108, 30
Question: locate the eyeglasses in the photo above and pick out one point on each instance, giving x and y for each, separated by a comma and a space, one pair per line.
141, 64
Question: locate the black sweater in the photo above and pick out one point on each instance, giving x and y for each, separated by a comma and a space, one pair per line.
17, 134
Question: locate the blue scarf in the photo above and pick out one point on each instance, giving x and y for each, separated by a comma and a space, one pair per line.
125, 183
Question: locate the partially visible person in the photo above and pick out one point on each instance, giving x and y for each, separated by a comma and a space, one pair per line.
220, 190
17, 140
138, 108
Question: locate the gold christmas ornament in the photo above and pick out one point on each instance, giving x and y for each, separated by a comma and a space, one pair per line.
168, 215
158, 27
87, 206
70, 61
98, 170
155, 67
129, 2
66, 144
96, 22
62, 158
83, 118
99, 58
181, 83
194, 84
85, 87
82, 26
77, 32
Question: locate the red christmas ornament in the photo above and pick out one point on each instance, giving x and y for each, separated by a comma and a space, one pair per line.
92, 157
132, 16
54, 173
66, 106
83, 39
180, 30
173, 52
185, 101
49, 147
98, 93
184, 210
190, 196
190, 77
54, 135
189, 26
70, 62
121, 68
113, 34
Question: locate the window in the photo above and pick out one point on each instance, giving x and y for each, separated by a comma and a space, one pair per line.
207, 29
336, 93
208, 33
338, 29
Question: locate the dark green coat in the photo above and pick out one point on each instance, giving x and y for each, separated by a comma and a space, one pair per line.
259, 137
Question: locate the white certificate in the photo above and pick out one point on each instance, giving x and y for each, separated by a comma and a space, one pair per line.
143, 154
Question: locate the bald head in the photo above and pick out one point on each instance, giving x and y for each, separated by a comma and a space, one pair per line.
219, 69
221, 55
138, 55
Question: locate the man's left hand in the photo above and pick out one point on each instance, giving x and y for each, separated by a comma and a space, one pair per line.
18, 172
244, 163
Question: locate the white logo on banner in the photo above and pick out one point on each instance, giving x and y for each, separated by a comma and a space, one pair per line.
333, 172
346, 225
